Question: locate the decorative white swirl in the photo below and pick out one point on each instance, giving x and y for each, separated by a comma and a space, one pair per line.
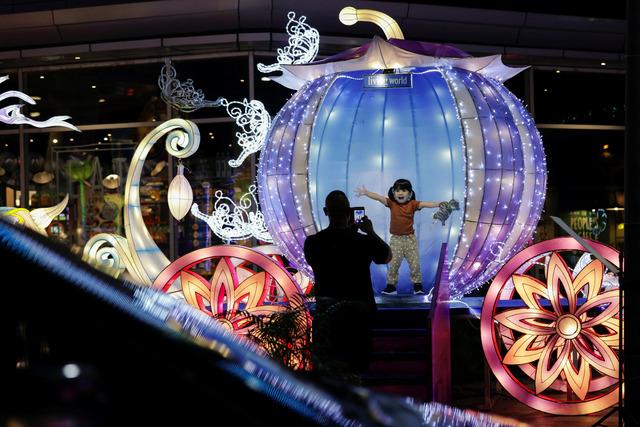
12, 115
254, 120
233, 222
302, 48
183, 139
37, 219
182, 143
110, 254
181, 95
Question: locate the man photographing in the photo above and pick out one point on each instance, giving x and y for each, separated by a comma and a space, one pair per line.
340, 256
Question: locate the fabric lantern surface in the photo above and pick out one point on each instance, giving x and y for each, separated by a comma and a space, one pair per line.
180, 195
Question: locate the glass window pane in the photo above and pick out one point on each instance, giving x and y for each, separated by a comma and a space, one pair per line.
273, 95
208, 171
80, 164
215, 77
10, 84
586, 173
112, 94
9, 170
584, 98
516, 85
9, 147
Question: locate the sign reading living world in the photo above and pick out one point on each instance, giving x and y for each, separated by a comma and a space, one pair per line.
388, 80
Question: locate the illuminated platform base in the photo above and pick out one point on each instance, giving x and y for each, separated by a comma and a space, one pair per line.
467, 305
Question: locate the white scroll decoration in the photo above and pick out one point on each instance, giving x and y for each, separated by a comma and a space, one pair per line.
254, 120
38, 219
138, 252
233, 222
181, 95
110, 254
302, 48
12, 115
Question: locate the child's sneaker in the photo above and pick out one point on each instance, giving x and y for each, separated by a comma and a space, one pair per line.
417, 289
389, 290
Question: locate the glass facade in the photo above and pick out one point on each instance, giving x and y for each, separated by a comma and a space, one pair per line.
586, 176
219, 77
9, 169
98, 95
117, 104
579, 97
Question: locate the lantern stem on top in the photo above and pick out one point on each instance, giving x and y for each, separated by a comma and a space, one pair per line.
350, 15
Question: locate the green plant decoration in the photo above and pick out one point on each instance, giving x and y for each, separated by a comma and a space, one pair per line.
286, 335
80, 171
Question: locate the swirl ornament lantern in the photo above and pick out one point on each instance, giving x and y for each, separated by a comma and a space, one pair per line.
37, 220
138, 253
454, 131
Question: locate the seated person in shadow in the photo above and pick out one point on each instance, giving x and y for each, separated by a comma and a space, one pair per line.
340, 257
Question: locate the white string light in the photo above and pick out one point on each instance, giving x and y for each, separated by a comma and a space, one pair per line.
182, 96
255, 121
231, 221
302, 48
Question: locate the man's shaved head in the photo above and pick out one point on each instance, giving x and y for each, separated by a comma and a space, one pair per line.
337, 204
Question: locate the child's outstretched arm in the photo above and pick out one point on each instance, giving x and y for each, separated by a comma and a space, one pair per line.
362, 191
422, 204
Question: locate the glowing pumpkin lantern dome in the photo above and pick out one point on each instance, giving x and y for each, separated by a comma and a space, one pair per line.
407, 109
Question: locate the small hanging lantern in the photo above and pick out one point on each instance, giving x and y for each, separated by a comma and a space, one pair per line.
180, 195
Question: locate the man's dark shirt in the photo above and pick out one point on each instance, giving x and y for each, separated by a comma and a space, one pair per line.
340, 259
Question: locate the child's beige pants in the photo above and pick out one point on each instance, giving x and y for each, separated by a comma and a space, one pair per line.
404, 247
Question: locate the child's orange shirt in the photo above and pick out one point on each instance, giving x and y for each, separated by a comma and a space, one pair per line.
402, 216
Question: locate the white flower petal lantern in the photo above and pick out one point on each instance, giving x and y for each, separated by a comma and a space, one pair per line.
180, 195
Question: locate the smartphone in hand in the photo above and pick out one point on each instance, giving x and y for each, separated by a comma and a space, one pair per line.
357, 213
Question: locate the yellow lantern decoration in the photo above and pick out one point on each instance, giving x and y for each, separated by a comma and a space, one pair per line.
180, 195
350, 15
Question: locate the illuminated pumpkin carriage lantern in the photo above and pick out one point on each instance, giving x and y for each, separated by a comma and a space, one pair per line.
406, 109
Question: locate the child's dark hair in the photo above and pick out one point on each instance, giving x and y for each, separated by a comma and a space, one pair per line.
402, 184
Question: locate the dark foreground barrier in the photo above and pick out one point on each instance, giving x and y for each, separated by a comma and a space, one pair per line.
81, 348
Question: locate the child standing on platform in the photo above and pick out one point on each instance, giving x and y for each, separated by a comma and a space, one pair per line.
401, 201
